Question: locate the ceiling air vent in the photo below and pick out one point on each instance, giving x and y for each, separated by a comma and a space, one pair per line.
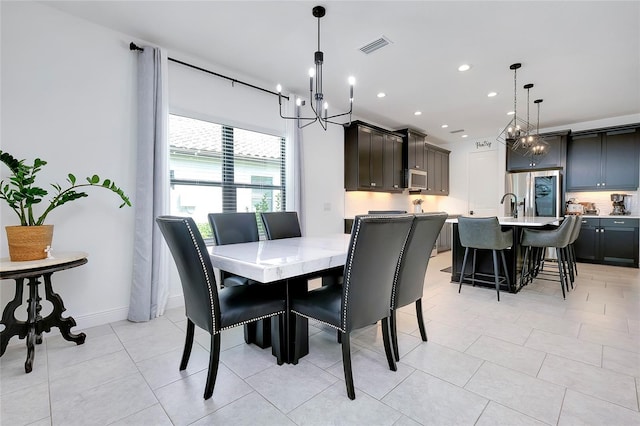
375, 45
456, 131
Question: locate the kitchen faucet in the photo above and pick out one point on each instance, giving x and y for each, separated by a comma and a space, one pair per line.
514, 207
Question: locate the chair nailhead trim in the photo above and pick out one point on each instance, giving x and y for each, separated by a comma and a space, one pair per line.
249, 321
316, 319
347, 278
206, 275
400, 262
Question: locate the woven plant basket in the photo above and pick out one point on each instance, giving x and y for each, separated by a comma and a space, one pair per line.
29, 242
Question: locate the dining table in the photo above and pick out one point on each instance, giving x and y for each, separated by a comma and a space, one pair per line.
288, 261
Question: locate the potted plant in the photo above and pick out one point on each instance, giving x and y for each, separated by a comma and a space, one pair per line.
30, 240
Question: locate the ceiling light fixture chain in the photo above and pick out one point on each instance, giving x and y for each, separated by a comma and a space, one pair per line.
317, 103
527, 139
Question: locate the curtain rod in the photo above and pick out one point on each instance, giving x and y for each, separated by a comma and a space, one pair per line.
133, 46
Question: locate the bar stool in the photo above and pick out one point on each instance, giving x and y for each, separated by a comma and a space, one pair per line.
484, 233
572, 250
559, 239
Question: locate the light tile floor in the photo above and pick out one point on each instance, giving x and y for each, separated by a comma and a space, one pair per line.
531, 359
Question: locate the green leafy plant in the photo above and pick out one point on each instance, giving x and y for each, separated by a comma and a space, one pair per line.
21, 192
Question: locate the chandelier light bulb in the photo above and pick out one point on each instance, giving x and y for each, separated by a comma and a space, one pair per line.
352, 80
298, 102
312, 72
279, 88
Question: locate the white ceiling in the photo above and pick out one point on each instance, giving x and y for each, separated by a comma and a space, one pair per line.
583, 57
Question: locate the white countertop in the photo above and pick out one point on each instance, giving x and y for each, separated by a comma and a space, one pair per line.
274, 260
612, 216
522, 221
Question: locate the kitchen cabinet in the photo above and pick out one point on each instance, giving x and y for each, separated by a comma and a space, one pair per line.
372, 159
610, 241
415, 149
393, 171
603, 160
554, 158
437, 170
444, 238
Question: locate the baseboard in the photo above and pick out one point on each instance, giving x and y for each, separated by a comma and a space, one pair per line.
114, 315
101, 318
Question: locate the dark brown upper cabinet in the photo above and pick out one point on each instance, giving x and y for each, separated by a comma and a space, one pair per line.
372, 159
605, 160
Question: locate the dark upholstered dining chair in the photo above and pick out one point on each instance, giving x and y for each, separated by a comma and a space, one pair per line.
365, 296
233, 228
408, 283
279, 225
207, 307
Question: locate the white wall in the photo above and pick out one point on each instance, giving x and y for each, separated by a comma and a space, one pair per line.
68, 90
323, 180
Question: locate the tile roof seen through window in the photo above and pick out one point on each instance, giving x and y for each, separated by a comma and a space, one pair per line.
198, 135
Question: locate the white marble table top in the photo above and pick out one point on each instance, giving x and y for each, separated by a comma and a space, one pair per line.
268, 261
522, 221
6, 265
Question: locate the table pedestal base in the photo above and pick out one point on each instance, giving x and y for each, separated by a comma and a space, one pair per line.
35, 325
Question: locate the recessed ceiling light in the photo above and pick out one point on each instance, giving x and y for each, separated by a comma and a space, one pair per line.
444, 126
511, 112
382, 95
417, 113
492, 94
464, 67
464, 136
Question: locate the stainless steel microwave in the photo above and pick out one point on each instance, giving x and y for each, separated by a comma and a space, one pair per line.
416, 180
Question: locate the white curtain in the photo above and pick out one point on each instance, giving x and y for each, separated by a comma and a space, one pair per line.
295, 155
149, 289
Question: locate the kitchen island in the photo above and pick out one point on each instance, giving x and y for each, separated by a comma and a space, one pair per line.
513, 255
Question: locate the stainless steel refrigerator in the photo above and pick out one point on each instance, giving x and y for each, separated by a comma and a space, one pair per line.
539, 193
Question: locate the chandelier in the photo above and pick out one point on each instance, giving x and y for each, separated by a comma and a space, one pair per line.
539, 147
517, 128
319, 107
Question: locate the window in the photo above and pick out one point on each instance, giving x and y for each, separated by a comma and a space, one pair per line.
217, 168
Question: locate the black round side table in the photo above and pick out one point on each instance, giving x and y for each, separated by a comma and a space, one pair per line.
35, 325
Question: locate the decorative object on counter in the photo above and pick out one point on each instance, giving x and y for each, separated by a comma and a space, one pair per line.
417, 205
619, 207
590, 208
511, 135
30, 239
574, 207
321, 108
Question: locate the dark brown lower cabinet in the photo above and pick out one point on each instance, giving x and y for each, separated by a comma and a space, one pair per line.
610, 241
